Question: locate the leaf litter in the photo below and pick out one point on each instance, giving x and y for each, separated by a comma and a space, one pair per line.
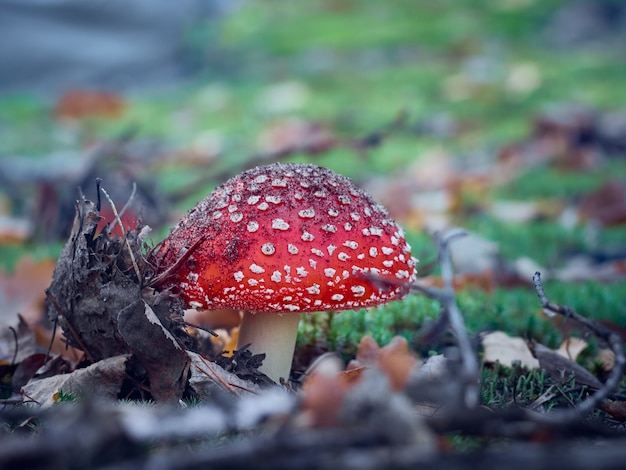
142, 348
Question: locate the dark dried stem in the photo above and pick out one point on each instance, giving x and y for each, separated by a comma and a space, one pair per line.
208, 330
70, 328
54, 334
469, 361
117, 219
161, 278
124, 209
603, 333
17, 345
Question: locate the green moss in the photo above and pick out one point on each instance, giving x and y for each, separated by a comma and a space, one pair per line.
552, 183
10, 255
543, 241
342, 331
64, 397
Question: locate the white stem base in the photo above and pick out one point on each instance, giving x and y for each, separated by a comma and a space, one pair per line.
272, 334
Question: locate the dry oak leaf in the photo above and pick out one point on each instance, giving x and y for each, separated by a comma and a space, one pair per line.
100, 380
572, 347
502, 348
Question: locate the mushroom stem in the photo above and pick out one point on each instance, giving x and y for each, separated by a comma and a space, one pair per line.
272, 334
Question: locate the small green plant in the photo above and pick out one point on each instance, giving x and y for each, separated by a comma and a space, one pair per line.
65, 397
502, 387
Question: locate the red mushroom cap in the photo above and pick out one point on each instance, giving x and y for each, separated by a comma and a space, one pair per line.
288, 238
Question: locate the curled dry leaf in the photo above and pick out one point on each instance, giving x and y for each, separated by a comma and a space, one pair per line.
100, 380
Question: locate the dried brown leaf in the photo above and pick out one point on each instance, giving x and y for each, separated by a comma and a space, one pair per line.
209, 379
572, 347
100, 380
502, 348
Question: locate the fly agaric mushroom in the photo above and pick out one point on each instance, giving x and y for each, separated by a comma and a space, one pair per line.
284, 239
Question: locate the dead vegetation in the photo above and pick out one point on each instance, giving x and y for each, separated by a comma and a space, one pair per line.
388, 409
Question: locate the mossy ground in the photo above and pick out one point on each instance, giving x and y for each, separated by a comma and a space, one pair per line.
360, 63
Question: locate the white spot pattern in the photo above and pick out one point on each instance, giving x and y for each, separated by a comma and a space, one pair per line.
316, 197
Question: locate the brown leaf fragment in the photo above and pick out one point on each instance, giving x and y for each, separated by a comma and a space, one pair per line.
323, 395
394, 359
366, 354
88, 291
25, 370
157, 350
572, 347
26, 345
606, 357
100, 380
397, 361
617, 409
607, 204
208, 379
80, 104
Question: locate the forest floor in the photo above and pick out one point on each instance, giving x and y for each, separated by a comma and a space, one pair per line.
503, 120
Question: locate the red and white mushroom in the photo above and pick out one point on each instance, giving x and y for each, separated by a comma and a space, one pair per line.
284, 239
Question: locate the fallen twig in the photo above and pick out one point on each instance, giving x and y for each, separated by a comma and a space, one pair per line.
446, 297
603, 333
123, 229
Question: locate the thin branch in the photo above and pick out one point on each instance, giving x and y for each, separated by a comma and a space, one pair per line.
608, 336
215, 377
117, 218
161, 278
446, 297
54, 334
208, 330
68, 325
17, 345
124, 209
471, 371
